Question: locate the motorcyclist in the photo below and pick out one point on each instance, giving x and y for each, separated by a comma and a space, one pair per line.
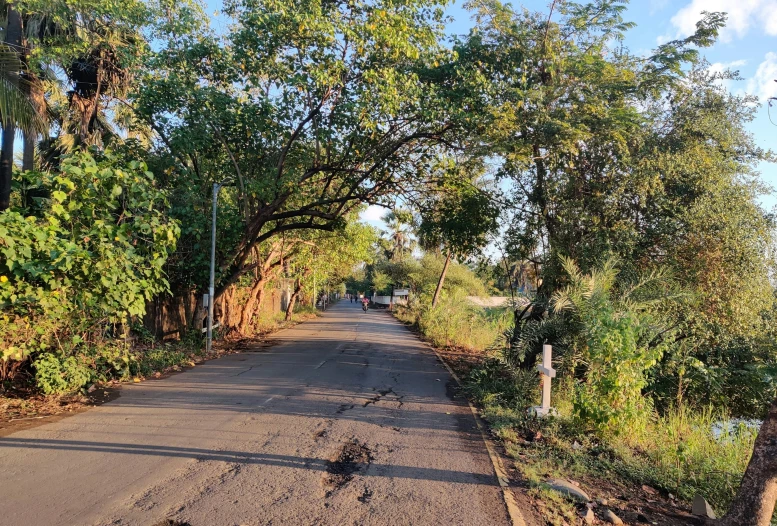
365, 302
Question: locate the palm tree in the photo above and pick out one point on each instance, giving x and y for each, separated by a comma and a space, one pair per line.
17, 112
15, 106
399, 233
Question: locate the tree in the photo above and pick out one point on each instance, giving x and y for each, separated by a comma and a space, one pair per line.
755, 500
327, 259
99, 46
457, 216
15, 105
13, 40
95, 43
334, 105
399, 234
609, 153
567, 124
16, 110
647, 159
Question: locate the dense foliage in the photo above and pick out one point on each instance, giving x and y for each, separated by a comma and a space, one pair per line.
643, 159
82, 262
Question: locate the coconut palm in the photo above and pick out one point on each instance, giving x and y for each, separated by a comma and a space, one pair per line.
17, 111
16, 107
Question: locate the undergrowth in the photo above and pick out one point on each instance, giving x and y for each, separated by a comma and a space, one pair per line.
683, 452
75, 366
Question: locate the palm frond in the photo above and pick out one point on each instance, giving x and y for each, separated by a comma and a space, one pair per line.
16, 108
526, 339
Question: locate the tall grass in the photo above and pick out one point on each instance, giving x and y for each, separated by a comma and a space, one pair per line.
455, 322
682, 453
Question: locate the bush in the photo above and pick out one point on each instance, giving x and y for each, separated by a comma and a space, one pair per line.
159, 359
688, 453
80, 265
492, 383
57, 375
683, 452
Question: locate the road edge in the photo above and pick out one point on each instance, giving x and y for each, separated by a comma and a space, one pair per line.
513, 511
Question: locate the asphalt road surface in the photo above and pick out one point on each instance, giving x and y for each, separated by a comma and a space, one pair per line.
348, 419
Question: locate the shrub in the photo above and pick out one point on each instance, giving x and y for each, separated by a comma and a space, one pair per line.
684, 452
60, 374
619, 339
688, 453
81, 265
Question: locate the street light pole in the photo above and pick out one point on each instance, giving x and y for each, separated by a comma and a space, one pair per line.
212, 285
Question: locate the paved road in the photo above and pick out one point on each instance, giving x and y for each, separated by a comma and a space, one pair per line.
347, 420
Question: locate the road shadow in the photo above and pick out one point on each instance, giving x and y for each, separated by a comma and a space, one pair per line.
244, 457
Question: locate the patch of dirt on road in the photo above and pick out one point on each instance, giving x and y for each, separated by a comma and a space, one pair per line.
26, 411
377, 397
344, 407
351, 458
249, 345
171, 522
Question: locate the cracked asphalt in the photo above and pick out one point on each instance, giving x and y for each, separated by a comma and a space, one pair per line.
347, 420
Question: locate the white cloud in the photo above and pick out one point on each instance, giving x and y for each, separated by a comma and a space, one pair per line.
720, 67
742, 16
372, 213
763, 82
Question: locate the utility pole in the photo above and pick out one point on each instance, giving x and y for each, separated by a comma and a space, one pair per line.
212, 284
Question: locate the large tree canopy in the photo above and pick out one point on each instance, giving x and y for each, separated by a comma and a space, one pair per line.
314, 109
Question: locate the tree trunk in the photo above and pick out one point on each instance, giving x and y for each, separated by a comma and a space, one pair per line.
260, 299
13, 38
6, 165
250, 306
28, 156
442, 279
38, 100
234, 311
293, 299
754, 503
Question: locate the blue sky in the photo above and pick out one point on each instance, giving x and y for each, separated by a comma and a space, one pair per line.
748, 44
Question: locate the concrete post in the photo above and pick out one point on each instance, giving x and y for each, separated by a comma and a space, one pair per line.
546, 373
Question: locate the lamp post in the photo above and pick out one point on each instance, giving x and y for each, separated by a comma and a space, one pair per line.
212, 284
